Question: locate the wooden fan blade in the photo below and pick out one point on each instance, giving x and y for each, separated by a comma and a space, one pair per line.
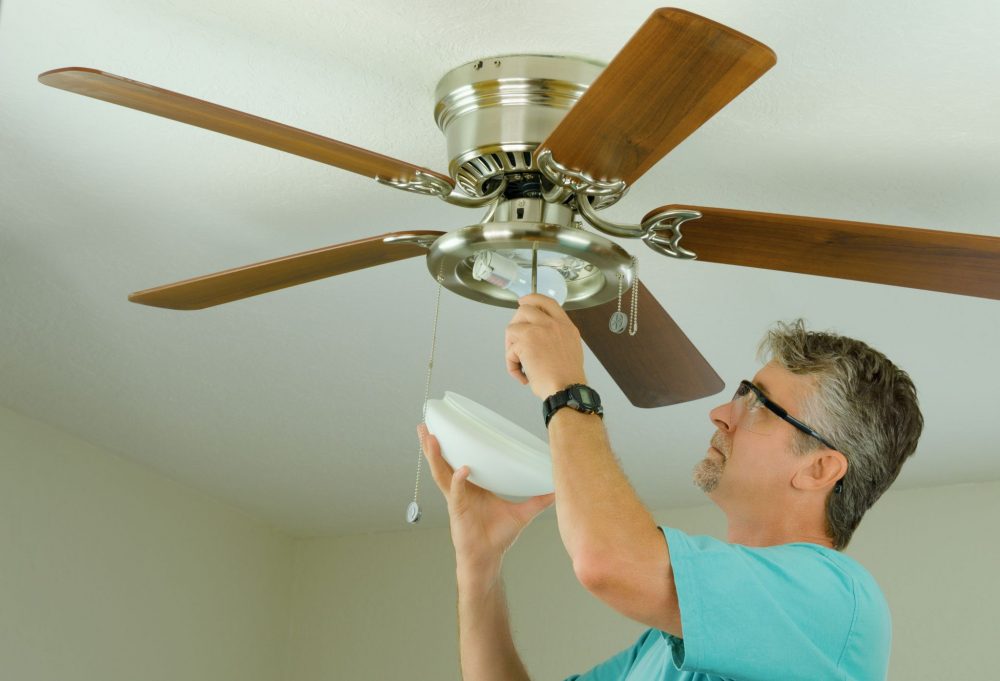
950, 262
655, 367
154, 100
674, 74
271, 275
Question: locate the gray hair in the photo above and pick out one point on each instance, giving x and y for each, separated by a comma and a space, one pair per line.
862, 403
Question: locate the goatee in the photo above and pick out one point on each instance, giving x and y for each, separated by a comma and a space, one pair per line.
707, 474
708, 471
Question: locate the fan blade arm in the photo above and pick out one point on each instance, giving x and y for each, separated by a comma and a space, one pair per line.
673, 75
182, 108
927, 259
271, 275
656, 367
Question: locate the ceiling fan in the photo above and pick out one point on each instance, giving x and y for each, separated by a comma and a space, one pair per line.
544, 143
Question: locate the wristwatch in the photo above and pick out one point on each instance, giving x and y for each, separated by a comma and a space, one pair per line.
577, 396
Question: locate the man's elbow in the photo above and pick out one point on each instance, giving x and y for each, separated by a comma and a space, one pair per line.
605, 575
593, 573
632, 590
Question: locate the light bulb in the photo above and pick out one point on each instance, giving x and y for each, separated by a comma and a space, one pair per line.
507, 274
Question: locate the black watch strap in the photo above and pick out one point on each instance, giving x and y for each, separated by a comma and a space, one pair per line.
578, 396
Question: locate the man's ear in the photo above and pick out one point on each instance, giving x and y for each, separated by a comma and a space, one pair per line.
821, 470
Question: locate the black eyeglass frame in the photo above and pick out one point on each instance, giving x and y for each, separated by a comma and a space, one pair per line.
777, 410
746, 386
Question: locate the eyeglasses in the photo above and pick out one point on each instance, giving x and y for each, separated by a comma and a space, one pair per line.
748, 413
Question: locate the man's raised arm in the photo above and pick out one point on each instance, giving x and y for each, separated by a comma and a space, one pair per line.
483, 527
618, 552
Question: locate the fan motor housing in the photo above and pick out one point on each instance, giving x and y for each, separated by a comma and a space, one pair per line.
494, 112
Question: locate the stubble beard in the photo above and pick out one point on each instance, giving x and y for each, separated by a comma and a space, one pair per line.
708, 471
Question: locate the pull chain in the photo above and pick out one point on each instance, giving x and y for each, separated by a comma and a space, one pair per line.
635, 297
413, 509
619, 320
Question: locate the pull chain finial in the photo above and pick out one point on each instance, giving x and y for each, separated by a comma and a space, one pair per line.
619, 320
413, 513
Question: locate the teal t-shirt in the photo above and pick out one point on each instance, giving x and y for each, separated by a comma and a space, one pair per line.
780, 613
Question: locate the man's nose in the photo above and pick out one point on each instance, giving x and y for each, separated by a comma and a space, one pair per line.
722, 417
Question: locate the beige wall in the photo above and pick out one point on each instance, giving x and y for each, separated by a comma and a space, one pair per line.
382, 606
109, 572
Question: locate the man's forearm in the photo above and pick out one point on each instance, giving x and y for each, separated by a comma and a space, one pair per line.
598, 511
618, 552
485, 641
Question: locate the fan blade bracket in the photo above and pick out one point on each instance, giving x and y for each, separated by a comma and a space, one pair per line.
419, 183
567, 181
427, 184
660, 230
423, 240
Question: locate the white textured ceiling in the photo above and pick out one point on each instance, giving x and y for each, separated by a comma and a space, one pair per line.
299, 406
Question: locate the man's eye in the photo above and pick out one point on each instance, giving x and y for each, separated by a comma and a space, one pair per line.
755, 404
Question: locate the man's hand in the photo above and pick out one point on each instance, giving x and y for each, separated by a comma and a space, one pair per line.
483, 526
543, 346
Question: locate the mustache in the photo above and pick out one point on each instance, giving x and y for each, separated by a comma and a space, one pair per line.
719, 442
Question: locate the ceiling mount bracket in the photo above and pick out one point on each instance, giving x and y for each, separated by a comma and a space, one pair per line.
430, 185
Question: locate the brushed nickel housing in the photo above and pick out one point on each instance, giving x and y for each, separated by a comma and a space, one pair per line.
590, 263
494, 112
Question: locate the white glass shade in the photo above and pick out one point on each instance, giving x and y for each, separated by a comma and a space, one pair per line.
501, 456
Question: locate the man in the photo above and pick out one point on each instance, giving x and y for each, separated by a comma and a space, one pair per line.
798, 456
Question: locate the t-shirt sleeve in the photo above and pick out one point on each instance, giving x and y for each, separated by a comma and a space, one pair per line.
618, 666
782, 612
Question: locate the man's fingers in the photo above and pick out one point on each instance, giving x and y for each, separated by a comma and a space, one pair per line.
530, 314
543, 303
440, 469
511, 357
514, 367
513, 336
457, 489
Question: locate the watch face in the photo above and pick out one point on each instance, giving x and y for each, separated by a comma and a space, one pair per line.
586, 396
